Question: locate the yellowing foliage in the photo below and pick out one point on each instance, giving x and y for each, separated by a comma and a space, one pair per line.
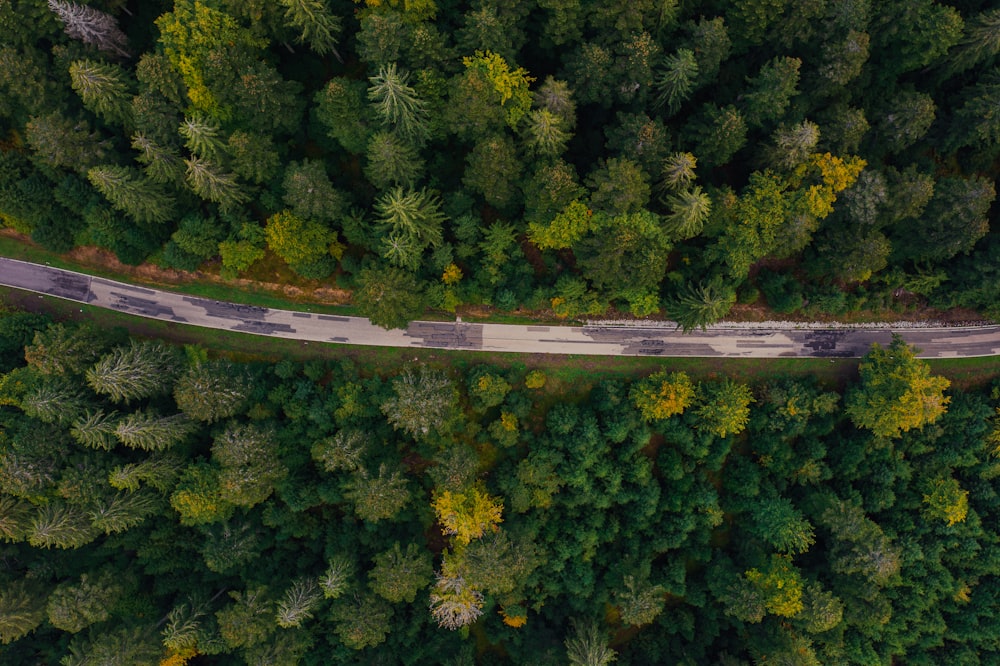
467, 515
179, 658
452, 274
510, 84
536, 380
568, 227
781, 585
947, 501
662, 395
514, 616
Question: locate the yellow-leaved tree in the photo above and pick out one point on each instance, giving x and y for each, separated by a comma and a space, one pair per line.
897, 391
662, 395
467, 515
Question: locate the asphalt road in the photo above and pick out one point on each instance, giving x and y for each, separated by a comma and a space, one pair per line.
952, 342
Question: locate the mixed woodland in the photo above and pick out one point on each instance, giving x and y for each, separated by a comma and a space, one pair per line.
163, 505
650, 157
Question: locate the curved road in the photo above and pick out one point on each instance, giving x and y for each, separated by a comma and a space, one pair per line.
952, 342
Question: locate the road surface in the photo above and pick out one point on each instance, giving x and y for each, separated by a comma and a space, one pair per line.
951, 342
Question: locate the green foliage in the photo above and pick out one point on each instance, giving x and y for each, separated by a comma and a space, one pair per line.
389, 297
130, 192
422, 402
316, 25
398, 576
104, 90
138, 371
724, 408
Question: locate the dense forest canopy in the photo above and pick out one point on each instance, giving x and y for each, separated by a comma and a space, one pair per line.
161, 505
652, 156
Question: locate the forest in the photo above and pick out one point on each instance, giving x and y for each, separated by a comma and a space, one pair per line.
649, 158
164, 505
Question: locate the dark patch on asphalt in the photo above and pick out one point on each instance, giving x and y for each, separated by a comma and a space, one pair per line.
332, 318
224, 310
447, 335
338, 339
538, 329
70, 286
832, 344
302, 315
262, 328
651, 347
142, 306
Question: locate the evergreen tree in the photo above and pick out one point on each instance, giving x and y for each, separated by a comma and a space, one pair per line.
389, 297
130, 192
104, 89
149, 431
379, 497
141, 370
397, 104
22, 609
422, 402
298, 603
676, 81
398, 576
317, 26
211, 182
91, 26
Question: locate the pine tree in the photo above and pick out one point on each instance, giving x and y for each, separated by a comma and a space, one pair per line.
397, 104
22, 609
389, 297
125, 510
588, 646
689, 210
545, 133
422, 402
96, 430
148, 431
203, 137
250, 465
162, 164
316, 25
104, 89
343, 451
676, 81
309, 192
61, 141
413, 213
212, 183
362, 621
337, 578
91, 26
398, 576
678, 170
61, 526
212, 390
138, 371
639, 602
15, 516
132, 193
77, 604
697, 306
391, 161
298, 603
377, 498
